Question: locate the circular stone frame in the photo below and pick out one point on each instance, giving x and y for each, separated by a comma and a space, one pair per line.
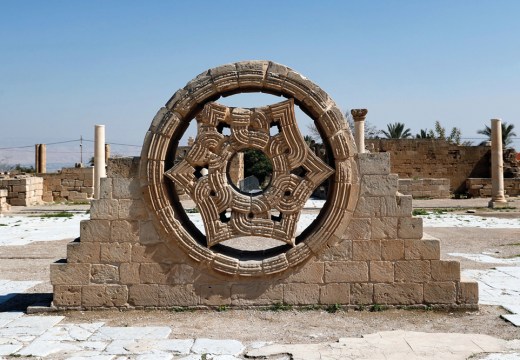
171, 122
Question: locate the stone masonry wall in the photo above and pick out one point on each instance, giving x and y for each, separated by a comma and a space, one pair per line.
431, 158
23, 190
71, 184
482, 187
425, 188
4, 206
120, 261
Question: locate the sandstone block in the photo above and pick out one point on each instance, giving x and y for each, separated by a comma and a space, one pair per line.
70, 274
422, 249
374, 163
410, 228
384, 228
256, 294
311, 273
379, 185
215, 295
158, 253
124, 231
358, 229
116, 252
104, 295
392, 250
341, 250
404, 205
104, 274
335, 294
126, 188
381, 271
346, 271
104, 209
153, 273
366, 250
132, 210
129, 273
443, 270
467, 292
440, 293
301, 294
178, 295
412, 271
83, 252
105, 188
368, 206
69, 296
398, 294
95, 231
143, 295
361, 294
148, 234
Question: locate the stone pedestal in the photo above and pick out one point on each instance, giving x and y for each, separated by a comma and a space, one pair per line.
498, 199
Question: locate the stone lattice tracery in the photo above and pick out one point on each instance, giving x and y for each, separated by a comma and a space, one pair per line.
250, 129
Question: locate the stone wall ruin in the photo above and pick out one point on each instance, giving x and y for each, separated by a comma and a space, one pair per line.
139, 248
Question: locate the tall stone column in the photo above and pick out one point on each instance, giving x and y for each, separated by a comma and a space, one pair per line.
359, 116
497, 166
40, 165
99, 158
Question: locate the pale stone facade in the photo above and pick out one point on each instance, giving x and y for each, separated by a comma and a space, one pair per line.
72, 184
479, 187
425, 188
4, 206
139, 249
23, 190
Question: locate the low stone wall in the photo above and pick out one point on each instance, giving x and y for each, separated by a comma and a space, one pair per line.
4, 206
481, 187
425, 188
23, 190
70, 184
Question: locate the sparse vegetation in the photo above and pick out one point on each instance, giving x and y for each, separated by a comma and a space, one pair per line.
376, 308
417, 212
333, 308
61, 214
280, 307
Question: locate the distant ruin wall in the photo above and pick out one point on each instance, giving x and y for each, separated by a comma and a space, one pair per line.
431, 158
425, 188
72, 184
4, 206
482, 187
23, 190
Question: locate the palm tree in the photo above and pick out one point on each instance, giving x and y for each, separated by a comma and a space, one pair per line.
507, 134
424, 134
397, 131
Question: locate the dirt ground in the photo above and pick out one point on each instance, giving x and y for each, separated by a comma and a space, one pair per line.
31, 262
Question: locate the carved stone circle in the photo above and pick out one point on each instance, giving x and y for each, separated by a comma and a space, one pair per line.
250, 129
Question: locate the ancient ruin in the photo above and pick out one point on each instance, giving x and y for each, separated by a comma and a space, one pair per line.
140, 249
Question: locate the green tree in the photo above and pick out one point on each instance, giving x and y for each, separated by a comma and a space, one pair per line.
397, 131
507, 133
453, 138
424, 134
258, 164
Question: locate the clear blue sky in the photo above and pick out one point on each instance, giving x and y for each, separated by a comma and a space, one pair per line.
67, 65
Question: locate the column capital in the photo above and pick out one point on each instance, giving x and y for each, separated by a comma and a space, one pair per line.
359, 114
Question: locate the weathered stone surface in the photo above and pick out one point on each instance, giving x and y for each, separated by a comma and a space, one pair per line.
422, 249
311, 273
440, 293
256, 294
126, 188
104, 274
67, 295
83, 252
398, 294
384, 228
116, 252
95, 231
366, 250
341, 250
129, 273
379, 185
467, 292
374, 163
178, 295
410, 228
104, 295
381, 271
359, 229
444, 270
346, 271
392, 250
132, 210
70, 274
143, 295
124, 231
104, 209
412, 271
215, 295
148, 235
301, 294
362, 294
331, 294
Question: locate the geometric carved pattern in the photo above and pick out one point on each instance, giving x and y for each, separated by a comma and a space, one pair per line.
249, 129
250, 215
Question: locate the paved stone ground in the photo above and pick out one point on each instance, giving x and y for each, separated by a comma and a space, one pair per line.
488, 255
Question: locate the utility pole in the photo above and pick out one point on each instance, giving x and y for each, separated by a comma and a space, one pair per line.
81, 150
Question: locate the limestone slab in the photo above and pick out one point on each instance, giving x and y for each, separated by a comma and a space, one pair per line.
217, 347
108, 333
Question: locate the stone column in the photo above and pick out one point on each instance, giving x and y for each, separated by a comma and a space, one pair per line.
99, 158
107, 153
40, 165
359, 116
498, 199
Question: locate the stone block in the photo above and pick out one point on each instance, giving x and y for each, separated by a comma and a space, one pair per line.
467, 293
65, 295
310, 273
104, 209
331, 294
301, 294
381, 271
392, 250
444, 270
368, 206
440, 293
379, 185
95, 231
398, 294
404, 205
104, 295
158, 253
124, 231
132, 210
70, 274
410, 228
126, 188
105, 188
83, 252
422, 249
361, 294
384, 228
148, 234
129, 273
178, 295
358, 229
215, 294
115, 252
374, 163
346, 271
153, 273
104, 274
413, 271
253, 293
366, 250
143, 295
341, 250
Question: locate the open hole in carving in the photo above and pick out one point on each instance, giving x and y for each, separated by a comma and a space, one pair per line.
200, 171
225, 216
250, 171
224, 129
274, 129
276, 215
299, 171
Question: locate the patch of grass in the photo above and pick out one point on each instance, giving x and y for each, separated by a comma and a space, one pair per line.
280, 307
443, 211
376, 308
61, 214
428, 308
222, 308
333, 308
310, 307
4, 225
417, 212
512, 244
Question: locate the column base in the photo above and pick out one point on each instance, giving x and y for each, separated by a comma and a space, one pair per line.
498, 204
